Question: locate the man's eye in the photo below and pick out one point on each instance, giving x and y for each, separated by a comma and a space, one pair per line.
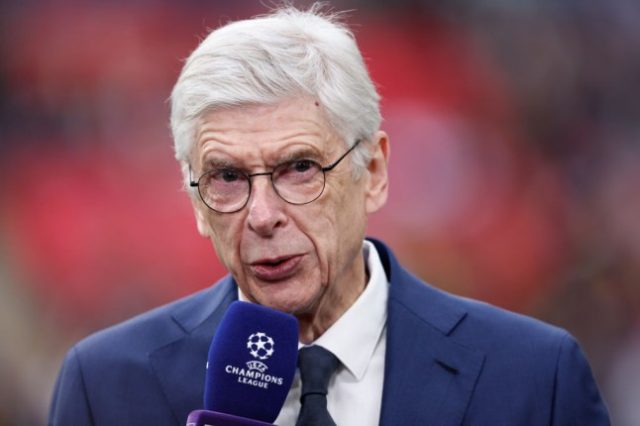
227, 175
301, 166
297, 171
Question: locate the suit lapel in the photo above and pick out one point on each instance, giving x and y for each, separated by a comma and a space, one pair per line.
429, 378
179, 365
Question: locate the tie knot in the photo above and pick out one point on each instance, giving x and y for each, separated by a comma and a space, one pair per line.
317, 365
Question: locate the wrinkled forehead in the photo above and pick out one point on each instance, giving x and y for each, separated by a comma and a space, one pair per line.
264, 129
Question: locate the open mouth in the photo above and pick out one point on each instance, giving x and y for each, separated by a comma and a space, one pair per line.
277, 268
274, 262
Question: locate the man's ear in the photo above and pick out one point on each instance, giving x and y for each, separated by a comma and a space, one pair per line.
201, 219
378, 179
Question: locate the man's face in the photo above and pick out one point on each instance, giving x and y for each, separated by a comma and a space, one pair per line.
302, 259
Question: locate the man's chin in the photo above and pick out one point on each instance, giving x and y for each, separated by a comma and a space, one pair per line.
283, 301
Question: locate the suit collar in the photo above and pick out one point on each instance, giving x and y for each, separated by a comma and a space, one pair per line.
193, 313
179, 365
435, 307
429, 377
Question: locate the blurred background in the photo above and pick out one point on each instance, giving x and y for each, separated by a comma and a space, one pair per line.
514, 168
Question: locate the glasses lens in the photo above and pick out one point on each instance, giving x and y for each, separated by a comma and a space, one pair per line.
299, 181
224, 190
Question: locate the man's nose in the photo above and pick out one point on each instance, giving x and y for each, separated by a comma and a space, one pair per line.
266, 210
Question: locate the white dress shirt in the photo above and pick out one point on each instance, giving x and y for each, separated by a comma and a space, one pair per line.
358, 340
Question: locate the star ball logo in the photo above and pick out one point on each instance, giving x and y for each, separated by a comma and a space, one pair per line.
261, 347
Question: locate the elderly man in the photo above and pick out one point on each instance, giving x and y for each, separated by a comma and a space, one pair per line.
276, 128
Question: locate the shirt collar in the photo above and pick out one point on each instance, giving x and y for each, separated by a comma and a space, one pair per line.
354, 336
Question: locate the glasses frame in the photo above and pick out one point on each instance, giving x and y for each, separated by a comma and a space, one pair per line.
250, 176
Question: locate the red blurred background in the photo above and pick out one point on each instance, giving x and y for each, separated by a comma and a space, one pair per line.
514, 177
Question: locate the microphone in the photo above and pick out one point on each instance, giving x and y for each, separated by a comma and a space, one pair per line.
250, 367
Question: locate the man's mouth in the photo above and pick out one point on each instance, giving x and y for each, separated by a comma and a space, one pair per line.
277, 268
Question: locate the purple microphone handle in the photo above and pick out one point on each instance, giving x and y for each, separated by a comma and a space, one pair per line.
213, 418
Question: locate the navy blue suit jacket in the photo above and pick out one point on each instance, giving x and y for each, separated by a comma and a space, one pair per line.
449, 361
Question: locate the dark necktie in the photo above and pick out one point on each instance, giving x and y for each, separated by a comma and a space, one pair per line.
317, 365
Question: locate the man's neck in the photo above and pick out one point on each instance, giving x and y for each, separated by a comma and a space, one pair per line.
337, 299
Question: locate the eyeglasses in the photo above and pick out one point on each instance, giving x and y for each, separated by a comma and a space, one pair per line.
227, 189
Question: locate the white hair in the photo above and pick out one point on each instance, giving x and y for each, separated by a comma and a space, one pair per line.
286, 54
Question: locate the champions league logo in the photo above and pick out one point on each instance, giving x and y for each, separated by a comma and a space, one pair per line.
260, 346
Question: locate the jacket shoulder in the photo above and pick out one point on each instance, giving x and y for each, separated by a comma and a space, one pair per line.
160, 325
480, 325
528, 366
110, 377
471, 322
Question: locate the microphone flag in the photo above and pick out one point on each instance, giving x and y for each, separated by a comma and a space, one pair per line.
250, 367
